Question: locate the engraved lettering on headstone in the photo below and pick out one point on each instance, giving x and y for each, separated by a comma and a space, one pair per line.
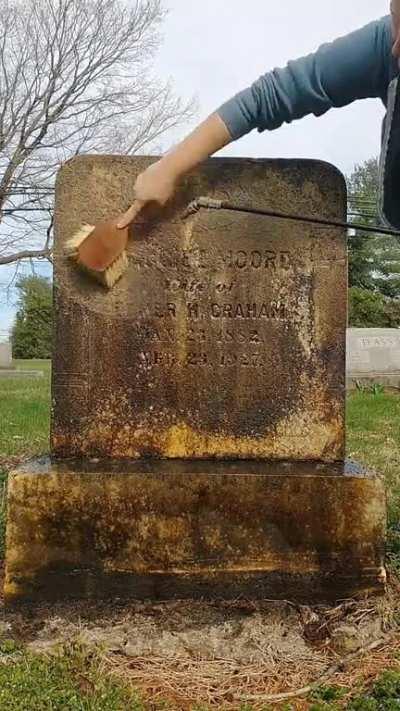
193, 311
380, 342
163, 311
267, 259
274, 310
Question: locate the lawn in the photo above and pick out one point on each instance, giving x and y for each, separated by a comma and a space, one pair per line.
373, 437
25, 411
74, 681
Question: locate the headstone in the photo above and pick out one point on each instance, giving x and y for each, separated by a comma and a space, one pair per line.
5, 355
198, 407
373, 354
226, 338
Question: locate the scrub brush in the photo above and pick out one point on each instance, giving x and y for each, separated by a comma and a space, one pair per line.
100, 250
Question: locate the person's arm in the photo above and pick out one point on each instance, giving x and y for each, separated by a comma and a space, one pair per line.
157, 183
353, 67
395, 12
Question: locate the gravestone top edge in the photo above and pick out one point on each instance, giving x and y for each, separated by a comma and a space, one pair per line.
323, 168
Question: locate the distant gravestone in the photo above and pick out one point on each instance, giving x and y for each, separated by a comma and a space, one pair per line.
373, 354
5, 355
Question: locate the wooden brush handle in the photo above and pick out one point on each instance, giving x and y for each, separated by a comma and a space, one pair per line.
130, 215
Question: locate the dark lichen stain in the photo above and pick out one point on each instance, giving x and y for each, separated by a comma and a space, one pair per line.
128, 397
71, 583
133, 530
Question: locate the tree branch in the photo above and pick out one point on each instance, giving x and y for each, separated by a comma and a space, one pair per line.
75, 77
26, 254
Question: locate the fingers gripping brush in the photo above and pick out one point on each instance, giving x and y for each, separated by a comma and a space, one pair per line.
100, 250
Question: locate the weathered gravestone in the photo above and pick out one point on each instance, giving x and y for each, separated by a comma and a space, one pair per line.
373, 355
198, 407
5, 355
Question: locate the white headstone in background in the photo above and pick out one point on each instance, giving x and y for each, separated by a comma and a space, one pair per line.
372, 351
5, 355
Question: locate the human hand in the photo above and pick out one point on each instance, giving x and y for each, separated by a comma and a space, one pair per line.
156, 184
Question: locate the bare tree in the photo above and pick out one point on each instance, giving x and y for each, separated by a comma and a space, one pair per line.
75, 76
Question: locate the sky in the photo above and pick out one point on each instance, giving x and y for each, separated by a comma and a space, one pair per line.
214, 48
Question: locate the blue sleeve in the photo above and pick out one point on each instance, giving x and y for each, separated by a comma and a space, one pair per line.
354, 67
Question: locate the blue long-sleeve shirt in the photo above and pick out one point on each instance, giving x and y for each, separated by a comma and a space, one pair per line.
358, 66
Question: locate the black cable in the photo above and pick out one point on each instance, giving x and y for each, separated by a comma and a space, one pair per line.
313, 220
212, 204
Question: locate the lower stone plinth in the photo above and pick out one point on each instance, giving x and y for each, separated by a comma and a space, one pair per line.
163, 530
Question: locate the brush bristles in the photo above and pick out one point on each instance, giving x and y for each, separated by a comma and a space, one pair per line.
73, 243
114, 272
108, 277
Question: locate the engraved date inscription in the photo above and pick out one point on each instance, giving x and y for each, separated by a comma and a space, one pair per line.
200, 359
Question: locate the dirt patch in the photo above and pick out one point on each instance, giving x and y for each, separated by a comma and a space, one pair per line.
218, 653
7, 463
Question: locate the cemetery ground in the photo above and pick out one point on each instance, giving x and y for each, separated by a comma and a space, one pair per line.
143, 657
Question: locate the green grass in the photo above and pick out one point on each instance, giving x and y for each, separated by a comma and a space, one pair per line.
384, 695
25, 412
71, 681
373, 437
